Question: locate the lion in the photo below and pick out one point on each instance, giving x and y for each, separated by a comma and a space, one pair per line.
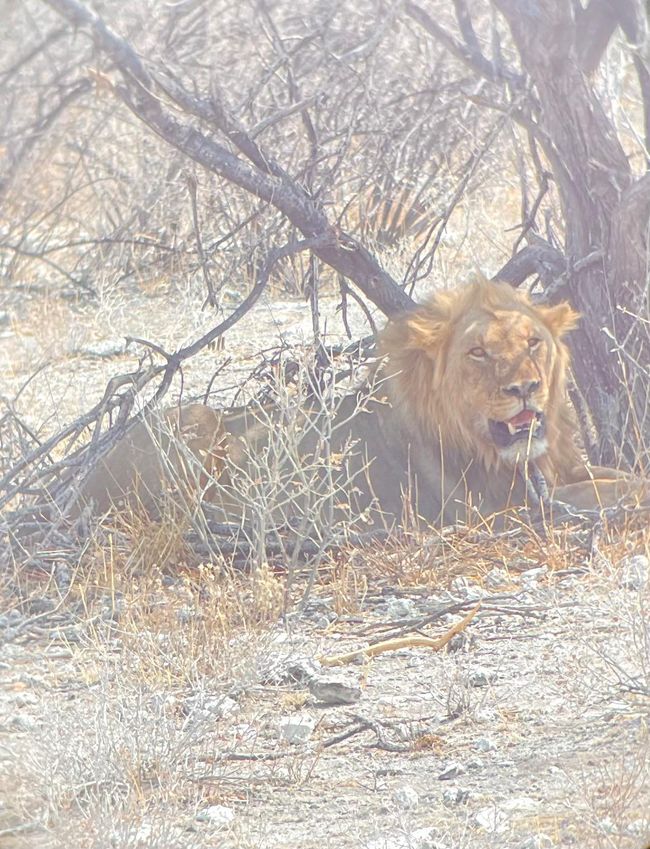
469, 393
177, 452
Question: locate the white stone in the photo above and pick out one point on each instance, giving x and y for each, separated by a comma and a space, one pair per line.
406, 797
218, 815
297, 729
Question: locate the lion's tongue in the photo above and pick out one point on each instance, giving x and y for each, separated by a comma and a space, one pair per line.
525, 417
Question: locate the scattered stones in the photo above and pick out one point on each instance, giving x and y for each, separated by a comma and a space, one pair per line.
334, 690
216, 815
454, 796
297, 729
406, 797
634, 572
452, 770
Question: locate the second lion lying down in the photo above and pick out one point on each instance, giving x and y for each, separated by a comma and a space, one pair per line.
471, 388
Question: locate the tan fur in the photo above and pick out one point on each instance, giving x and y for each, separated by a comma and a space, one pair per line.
178, 452
419, 446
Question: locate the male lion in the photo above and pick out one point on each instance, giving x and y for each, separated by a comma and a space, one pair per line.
471, 387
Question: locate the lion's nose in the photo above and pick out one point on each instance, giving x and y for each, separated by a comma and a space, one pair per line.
522, 390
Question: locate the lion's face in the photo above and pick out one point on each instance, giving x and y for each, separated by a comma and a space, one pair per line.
501, 362
485, 368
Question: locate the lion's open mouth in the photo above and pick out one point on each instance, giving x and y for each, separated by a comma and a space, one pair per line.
526, 425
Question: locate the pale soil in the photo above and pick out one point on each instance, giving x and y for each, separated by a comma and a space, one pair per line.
113, 732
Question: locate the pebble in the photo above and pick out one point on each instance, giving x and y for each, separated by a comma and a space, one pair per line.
491, 820
401, 608
218, 815
454, 796
406, 797
531, 576
634, 572
202, 707
452, 770
334, 690
464, 589
481, 678
11, 619
20, 722
484, 744
297, 729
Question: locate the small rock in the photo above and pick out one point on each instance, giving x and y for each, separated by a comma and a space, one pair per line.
452, 770
462, 588
634, 572
20, 722
104, 348
638, 827
454, 796
531, 576
11, 619
20, 700
491, 820
608, 825
401, 608
496, 578
301, 671
484, 744
334, 691
202, 707
217, 815
297, 729
481, 678
406, 797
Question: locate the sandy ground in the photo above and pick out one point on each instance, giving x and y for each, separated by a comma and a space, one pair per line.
132, 714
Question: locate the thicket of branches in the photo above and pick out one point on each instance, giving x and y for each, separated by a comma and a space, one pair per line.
226, 142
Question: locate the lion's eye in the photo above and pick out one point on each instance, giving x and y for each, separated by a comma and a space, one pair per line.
533, 342
478, 353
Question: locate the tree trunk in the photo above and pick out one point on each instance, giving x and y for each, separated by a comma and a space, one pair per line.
605, 211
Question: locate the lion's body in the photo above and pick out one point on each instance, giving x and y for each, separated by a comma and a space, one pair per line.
472, 387
176, 452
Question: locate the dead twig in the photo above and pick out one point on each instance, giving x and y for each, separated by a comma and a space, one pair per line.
413, 641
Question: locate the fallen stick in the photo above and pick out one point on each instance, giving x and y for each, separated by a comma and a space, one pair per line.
414, 641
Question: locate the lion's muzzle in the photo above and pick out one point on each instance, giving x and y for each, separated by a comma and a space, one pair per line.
524, 427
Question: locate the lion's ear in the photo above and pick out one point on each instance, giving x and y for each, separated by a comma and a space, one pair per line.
559, 319
426, 333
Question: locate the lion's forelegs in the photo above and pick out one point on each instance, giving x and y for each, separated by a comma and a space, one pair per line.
600, 492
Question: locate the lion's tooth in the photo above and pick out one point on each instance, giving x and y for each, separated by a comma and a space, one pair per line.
511, 428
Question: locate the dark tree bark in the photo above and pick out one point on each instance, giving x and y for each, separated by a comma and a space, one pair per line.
605, 207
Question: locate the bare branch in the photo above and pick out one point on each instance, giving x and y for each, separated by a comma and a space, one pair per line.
340, 251
468, 53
